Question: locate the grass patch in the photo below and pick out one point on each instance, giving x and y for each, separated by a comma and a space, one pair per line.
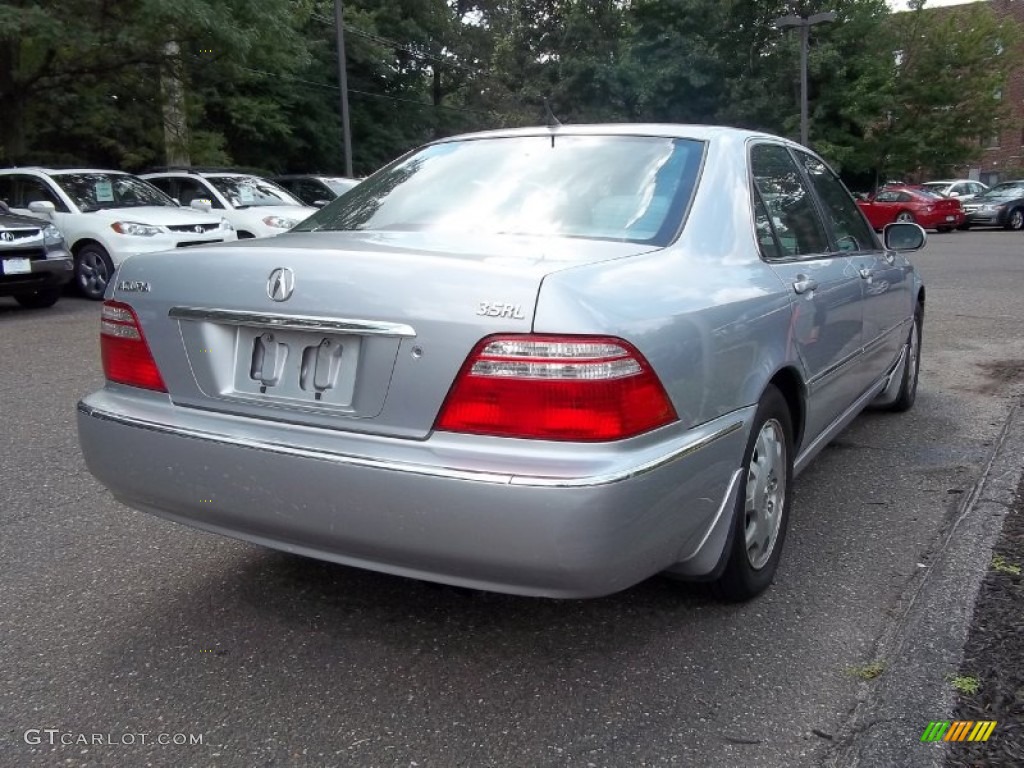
965, 684
868, 671
1001, 565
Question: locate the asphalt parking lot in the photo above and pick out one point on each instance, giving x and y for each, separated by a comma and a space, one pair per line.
116, 624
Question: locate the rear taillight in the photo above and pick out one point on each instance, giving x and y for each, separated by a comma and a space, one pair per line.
126, 355
581, 388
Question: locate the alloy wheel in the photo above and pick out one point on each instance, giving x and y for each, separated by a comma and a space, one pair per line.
93, 273
766, 493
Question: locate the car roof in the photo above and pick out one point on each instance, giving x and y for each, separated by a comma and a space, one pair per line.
60, 171
671, 130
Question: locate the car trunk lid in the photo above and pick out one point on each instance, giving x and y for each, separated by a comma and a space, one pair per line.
361, 331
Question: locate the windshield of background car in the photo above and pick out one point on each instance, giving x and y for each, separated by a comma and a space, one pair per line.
628, 188
100, 191
340, 186
249, 191
1004, 192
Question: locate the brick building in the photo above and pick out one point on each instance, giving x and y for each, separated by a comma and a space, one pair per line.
1002, 157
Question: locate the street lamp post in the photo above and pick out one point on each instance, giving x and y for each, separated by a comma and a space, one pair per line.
346, 131
805, 23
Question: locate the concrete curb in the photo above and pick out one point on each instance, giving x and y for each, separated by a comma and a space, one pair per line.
923, 645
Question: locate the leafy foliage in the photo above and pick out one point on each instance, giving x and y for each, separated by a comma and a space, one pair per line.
89, 81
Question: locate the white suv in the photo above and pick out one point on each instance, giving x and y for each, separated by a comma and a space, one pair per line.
255, 206
107, 216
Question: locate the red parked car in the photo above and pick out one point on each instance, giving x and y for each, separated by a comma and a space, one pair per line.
905, 203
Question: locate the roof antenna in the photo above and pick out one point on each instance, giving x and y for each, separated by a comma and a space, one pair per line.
552, 121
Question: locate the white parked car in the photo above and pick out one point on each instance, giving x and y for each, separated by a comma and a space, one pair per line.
962, 189
107, 216
255, 206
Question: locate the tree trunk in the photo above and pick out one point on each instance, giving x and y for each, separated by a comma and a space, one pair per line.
12, 106
176, 140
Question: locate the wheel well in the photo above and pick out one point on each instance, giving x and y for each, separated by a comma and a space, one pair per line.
80, 244
920, 299
788, 382
244, 235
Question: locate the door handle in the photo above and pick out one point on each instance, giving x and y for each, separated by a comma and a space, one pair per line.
803, 284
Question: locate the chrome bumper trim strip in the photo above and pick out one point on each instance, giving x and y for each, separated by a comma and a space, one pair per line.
293, 322
451, 473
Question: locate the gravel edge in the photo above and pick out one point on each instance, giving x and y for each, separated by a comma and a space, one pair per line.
922, 648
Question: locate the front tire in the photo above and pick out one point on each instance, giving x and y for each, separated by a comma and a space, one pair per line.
93, 270
1015, 220
762, 509
908, 386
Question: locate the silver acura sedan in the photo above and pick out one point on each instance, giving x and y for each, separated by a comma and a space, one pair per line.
550, 361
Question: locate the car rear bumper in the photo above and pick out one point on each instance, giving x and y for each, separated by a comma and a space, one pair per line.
941, 219
579, 534
51, 272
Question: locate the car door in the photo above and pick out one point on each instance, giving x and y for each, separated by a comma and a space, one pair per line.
824, 283
888, 299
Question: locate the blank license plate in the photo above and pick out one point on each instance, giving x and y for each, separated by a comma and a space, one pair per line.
17, 266
951, 218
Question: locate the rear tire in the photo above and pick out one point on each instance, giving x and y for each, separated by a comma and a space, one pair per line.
762, 509
38, 299
906, 216
943, 229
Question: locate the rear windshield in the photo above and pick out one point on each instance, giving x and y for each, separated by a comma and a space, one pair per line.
633, 189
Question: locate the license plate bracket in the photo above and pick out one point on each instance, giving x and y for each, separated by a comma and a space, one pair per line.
15, 266
296, 367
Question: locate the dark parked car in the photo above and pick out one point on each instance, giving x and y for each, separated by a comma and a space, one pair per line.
317, 191
34, 260
1001, 206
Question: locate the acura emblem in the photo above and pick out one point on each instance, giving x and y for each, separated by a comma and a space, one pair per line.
281, 284
7, 237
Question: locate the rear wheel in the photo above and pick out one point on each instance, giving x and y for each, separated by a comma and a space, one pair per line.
93, 270
39, 299
762, 509
1015, 220
905, 216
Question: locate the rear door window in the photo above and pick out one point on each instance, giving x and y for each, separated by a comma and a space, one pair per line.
789, 203
851, 230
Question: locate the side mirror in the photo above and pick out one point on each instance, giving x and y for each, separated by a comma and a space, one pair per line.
42, 207
954, 194
904, 236
176, 201
320, 203
202, 205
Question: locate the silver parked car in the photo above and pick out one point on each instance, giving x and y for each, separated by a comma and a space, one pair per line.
548, 361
